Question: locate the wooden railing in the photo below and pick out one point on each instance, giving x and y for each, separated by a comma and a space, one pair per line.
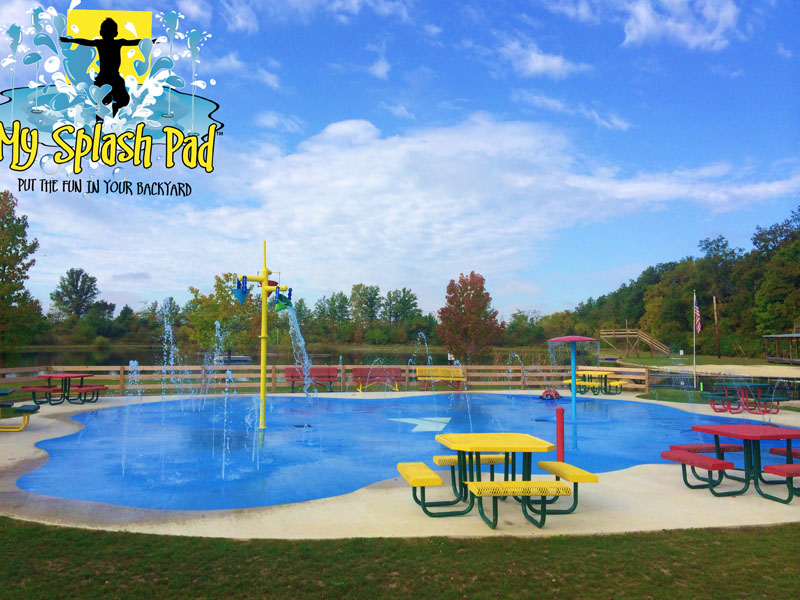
611, 335
214, 379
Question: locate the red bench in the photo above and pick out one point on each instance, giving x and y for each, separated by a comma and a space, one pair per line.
366, 376
696, 460
317, 375
782, 452
707, 448
789, 471
784, 470
83, 390
47, 390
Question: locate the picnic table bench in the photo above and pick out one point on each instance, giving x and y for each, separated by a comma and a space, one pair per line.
87, 393
696, 460
451, 375
582, 386
366, 376
9, 411
316, 375
46, 390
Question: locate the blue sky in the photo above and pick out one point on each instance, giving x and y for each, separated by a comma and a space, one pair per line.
556, 147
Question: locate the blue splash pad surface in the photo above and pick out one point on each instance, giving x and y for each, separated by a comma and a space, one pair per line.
205, 454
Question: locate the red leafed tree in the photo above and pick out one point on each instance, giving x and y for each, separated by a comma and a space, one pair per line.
468, 324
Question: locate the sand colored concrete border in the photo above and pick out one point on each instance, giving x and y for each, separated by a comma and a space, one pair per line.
642, 498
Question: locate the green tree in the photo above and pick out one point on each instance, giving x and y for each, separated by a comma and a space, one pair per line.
467, 323
365, 303
400, 305
20, 313
75, 294
99, 320
302, 312
522, 329
777, 301
240, 325
123, 324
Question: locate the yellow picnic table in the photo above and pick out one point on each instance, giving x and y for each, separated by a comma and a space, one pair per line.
469, 447
602, 379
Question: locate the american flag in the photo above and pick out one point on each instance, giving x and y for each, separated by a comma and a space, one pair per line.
697, 326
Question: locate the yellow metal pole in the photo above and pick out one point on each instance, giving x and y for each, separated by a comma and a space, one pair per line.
262, 415
266, 289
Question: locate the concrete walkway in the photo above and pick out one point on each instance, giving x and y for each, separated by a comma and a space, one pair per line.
642, 498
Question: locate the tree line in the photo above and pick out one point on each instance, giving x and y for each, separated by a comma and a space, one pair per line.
757, 292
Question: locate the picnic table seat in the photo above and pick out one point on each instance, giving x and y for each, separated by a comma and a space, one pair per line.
707, 448
571, 473
789, 471
782, 452
320, 374
616, 385
419, 475
524, 491
9, 411
451, 460
87, 393
47, 390
450, 374
696, 460
582, 386
366, 376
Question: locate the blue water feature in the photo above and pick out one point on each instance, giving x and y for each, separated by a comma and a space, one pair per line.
161, 456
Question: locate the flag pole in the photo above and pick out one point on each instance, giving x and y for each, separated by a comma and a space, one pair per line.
694, 336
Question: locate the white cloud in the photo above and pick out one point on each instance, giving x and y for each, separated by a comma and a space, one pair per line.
529, 61
538, 100
696, 24
783, 51
399, 110
268, 77
351, 205
432, 30
239, 16
244, 15
702, 24
229, 62
279, 122
196, 10
723, 71
380, 68
579, 10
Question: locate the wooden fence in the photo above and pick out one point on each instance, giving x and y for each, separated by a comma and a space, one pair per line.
214, 379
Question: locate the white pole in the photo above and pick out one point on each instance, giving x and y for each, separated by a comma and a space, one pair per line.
694, 335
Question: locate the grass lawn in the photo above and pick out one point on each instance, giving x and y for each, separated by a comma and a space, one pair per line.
686, 360
673, 395
41, 561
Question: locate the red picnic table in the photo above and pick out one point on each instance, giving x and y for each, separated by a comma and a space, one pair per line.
752, 435
85, 393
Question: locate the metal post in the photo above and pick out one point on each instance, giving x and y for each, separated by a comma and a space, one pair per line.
572, 386
560, 434
694, 336
266, 289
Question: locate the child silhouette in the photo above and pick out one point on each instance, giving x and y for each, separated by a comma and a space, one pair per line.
108, 51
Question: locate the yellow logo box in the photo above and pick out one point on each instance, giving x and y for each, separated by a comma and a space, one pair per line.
131, 25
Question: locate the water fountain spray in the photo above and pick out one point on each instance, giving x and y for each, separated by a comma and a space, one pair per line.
240, 292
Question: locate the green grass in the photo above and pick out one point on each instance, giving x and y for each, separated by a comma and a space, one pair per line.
51, 562
673, 395
686, 360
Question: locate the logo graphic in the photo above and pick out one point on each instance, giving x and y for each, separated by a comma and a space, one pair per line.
105, 90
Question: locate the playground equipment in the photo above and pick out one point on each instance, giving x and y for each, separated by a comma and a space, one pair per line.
240, 292
571, 340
